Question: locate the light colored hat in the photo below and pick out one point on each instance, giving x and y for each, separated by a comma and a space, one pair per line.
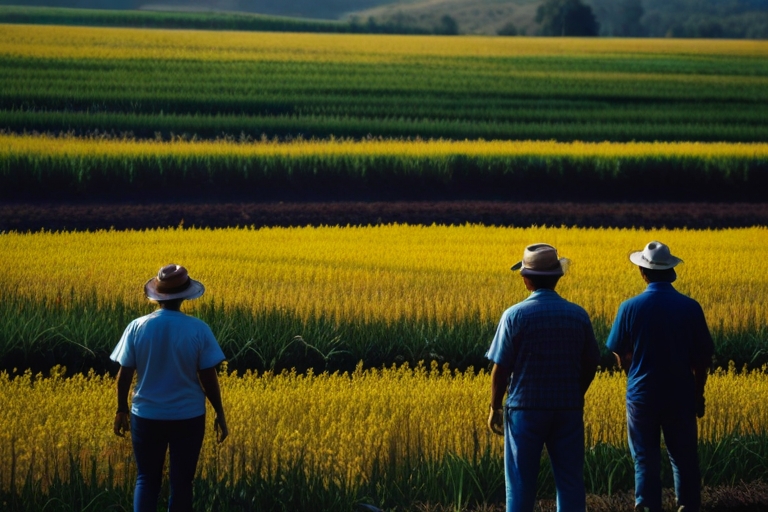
541, 260
173, 282
655, 256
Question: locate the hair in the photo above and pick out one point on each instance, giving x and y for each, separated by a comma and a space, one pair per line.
172, 304
659, 276
548, 282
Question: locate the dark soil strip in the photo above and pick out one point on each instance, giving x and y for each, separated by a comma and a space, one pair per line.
24, 217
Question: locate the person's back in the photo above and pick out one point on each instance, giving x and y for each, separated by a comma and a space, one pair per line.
168, 348
664, 330
552, 338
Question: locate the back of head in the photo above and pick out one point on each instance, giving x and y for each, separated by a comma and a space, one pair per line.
659, 276
547, 282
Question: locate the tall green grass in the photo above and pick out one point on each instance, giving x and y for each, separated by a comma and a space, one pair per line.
81, 333
451, 482
317, 176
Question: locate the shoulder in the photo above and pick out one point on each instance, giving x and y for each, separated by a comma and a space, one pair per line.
137, 323
193, 322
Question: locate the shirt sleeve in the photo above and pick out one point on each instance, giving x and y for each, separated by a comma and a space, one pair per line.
124, 354
211, 353
502, 347
618, 338
705, 344
591, 354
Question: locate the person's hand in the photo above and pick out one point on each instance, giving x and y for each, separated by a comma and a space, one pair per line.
700, 406
221, 429
496, 421
122, 424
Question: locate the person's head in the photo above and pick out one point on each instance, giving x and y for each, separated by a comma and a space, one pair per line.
172, 286
534, 283
656, 263
541, 267
658, 276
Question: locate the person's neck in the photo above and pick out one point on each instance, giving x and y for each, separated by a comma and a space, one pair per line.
170, 305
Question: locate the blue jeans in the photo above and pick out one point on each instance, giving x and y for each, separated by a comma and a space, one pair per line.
526, 433
151, 439
644, 427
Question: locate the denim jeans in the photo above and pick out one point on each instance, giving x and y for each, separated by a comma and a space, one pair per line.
526, 433
151, 439
645, 424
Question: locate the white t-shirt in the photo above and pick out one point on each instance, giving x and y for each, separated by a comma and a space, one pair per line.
167, 348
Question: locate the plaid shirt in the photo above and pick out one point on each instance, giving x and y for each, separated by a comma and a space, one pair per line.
547, 341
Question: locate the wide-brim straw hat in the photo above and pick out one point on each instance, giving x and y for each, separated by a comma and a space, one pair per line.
655, 256
541, 260
173, 282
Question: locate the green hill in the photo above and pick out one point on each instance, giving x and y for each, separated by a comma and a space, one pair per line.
655, 18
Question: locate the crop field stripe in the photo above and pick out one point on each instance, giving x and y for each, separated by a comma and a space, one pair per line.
11, 145
32, 40
394, 86
364, 419
379, 292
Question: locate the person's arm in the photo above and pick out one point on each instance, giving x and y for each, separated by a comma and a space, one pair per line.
590, 359
700, 371
124, 380
210, 383
702, 363
499, 381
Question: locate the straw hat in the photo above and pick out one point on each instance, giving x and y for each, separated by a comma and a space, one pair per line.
541, 260
173, 282
655, 256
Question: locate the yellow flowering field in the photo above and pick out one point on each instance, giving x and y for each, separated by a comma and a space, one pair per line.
387, 272
51, 147
339, 425
131, 43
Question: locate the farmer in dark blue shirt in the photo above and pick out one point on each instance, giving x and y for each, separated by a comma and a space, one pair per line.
661, 340
545, 356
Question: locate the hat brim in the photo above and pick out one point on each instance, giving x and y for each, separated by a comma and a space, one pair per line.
194, 291
564, 262
637, 258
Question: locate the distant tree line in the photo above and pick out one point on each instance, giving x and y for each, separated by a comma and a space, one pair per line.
736, 19
215, 21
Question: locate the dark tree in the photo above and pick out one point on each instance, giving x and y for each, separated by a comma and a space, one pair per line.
509, 29
630, 12
566, 18
447, 26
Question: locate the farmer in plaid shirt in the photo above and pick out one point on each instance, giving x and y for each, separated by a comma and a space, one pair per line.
545, 356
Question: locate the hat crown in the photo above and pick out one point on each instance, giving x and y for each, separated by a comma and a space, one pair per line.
657, 253
172, 279
655, 256
540, 257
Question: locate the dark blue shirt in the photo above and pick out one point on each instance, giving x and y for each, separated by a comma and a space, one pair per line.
667, 335
549, 344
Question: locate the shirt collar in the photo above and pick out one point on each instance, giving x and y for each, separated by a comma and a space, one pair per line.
659, 286
544, 292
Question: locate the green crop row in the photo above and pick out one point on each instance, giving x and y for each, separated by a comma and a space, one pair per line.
317, 176
80, 334
631, 98
529, 125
